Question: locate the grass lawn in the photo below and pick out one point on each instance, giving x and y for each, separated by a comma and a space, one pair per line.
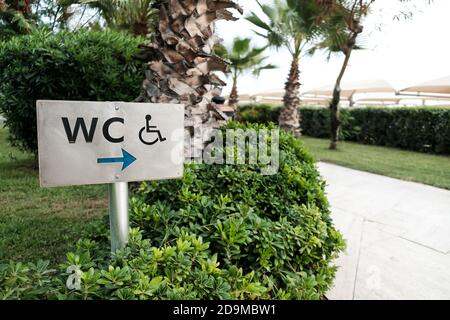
405, 165
38, 223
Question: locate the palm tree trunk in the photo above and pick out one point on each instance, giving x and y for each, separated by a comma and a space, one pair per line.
181, 63
233, 100
290, 117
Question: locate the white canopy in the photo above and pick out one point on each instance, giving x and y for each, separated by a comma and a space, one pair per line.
349, 89
404, 100
439, 86
244, 96
270, 94
314, 101
384, 101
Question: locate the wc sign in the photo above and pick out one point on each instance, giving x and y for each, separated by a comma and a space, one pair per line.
106, 142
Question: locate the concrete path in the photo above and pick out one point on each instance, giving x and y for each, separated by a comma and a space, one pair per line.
398, 236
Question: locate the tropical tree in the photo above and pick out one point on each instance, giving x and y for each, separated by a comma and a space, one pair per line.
344, 26
24, 16
290, 24
181, 63
134, 16
243, 58
15, 18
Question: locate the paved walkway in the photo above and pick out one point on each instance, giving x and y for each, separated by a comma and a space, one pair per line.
398, 236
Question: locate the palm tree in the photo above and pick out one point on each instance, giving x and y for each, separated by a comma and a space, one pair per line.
15, 18
19, 17
181, 62
134, 16
344, 26
291, 24
243, 58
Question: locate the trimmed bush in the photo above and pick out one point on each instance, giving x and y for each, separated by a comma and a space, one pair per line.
221, 232
423, 129
315, 121
276, 226
259, 113
420, 129
86, 66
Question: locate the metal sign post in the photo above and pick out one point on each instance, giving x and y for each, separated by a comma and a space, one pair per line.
115, 143
118, 215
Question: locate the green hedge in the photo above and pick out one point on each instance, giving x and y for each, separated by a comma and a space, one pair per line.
424, 129
221, 232
83, 66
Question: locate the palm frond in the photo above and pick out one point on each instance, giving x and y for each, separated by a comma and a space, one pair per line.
136, 16
288, 23
243, 57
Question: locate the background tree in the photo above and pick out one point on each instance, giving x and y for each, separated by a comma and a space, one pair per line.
181, 62
22, 17
243, 58
15, 18
53, 15
344, 26
290, 24
25, 16
135, 16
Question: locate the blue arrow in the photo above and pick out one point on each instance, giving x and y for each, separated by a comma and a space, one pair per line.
127, 160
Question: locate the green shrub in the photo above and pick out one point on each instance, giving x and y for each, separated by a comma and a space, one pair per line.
259, 113
423, 129
221, 232
184, 270
82, 66
27, 281
276, 226
314, 120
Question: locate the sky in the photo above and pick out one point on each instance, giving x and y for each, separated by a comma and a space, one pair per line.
404, 52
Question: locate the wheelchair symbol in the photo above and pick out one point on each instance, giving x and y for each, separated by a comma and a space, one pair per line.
150, 129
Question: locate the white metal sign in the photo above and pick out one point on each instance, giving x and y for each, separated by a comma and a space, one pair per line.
107, 142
